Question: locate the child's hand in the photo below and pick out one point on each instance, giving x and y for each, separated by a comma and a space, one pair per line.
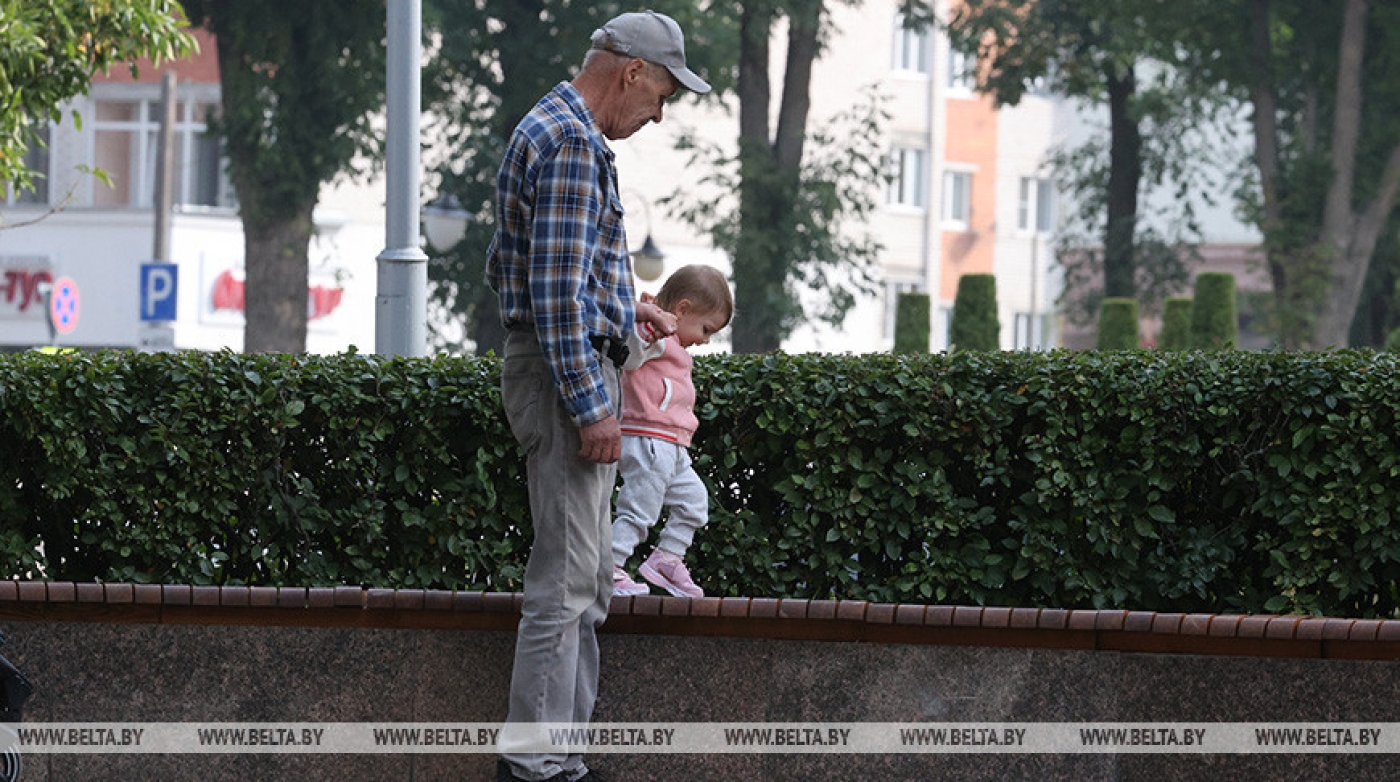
660, 320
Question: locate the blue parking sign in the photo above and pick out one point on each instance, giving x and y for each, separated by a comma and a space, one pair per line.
159, 284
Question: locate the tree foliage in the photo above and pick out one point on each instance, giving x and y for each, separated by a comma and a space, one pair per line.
792, 230
1324, 86
1161, 131
787, 233
50, 50
301, 85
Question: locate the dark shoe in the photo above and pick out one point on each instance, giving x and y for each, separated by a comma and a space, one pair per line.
505, 774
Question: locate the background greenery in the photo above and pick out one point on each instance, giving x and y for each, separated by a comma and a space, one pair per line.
1221, 481
1214, 322
1118, 324
974, 325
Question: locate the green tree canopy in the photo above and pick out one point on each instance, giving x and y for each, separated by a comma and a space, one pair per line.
50, 50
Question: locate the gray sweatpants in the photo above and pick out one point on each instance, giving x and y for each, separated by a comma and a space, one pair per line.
657, 473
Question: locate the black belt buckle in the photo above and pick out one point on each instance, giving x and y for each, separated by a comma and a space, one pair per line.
615, 349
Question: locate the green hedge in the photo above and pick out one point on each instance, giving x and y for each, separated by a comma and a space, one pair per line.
1184, 481
223, 468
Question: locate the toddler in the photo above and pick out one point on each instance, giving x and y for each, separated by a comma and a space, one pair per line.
658, 420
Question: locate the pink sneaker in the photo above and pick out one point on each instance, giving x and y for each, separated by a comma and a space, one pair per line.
624, 586
669, 572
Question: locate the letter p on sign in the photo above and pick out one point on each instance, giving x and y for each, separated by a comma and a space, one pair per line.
159, 283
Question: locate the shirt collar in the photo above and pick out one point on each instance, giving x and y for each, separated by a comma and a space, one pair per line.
574, 100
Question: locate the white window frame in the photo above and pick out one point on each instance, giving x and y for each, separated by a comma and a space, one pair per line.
942, 336
1030, 332
909, 175
1035, 206
962, 73
957, 199
912, 49
143, 130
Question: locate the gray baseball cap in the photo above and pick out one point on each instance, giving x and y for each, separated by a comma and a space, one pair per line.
652, 37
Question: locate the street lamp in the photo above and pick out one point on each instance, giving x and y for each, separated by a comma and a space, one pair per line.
445, 223
648, 261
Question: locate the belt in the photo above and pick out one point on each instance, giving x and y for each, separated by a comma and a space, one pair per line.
614, 348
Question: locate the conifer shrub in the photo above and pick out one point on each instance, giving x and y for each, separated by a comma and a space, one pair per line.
1118, 324
975, 325
1214, 322
911, 318
1176, 324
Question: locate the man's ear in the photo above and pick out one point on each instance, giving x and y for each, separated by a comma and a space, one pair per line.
633, 71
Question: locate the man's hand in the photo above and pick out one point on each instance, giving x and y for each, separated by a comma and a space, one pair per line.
661, 320
602, 442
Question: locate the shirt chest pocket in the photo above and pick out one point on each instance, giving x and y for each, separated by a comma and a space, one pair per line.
610, 222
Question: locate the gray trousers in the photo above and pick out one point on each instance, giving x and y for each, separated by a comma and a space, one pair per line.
568, 580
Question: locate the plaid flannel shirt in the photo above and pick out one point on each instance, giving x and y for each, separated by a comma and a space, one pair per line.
559, 259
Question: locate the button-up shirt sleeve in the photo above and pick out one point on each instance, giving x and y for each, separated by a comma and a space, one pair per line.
563, 250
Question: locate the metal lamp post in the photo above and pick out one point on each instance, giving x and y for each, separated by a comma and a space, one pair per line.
401, 303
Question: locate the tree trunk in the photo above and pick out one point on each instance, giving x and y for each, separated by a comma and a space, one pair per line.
770, 173
275, 260
1266, 159
754, 330
1124, 180
1349, 239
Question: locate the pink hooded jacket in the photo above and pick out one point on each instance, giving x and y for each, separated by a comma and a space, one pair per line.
658, 396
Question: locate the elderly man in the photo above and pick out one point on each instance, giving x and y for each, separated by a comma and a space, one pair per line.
559, 264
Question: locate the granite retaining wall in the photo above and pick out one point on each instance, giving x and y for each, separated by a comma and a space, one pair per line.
150, 653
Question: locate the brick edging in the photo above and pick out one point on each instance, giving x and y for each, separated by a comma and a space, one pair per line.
832, 620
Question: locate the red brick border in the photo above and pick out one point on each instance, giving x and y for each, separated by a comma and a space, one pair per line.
828, 620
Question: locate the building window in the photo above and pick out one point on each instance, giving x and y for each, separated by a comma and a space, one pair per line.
957, 200
36, 159
962, 72
942, 335
1034, 211
1030, 331
908, 177
126, 145
911, 47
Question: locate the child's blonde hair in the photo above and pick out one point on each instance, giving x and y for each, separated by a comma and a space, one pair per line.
704, 286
